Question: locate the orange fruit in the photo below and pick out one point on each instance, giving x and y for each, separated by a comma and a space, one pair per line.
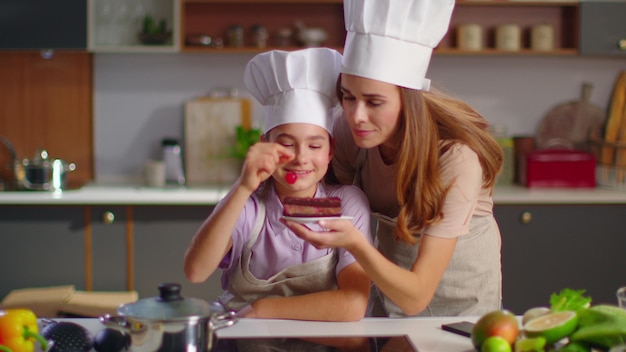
499, 323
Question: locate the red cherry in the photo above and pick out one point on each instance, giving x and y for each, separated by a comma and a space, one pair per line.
291, 178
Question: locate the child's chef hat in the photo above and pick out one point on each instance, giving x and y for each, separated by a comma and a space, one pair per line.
295, 86
392, 40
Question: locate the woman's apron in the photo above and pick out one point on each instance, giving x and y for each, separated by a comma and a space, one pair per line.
314, 276
472, 282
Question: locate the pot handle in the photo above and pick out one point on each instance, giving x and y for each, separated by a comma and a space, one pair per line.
115, 322
222, 320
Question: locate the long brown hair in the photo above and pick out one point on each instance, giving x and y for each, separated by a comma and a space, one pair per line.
430, 124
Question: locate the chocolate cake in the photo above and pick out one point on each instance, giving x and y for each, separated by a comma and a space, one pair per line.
312, 207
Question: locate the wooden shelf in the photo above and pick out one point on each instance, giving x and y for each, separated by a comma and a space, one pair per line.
563, 16
214, 18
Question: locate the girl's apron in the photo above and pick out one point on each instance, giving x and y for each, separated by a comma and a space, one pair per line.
471, 284
314, 276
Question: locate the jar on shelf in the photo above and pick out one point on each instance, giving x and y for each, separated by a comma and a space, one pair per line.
235, 36
259, 36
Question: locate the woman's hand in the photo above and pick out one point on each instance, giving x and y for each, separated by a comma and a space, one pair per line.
339, 233
262, 160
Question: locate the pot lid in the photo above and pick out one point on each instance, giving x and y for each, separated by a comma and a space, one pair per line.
170, 305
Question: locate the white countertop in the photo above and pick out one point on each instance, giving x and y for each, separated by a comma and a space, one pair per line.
129, 194
425, 333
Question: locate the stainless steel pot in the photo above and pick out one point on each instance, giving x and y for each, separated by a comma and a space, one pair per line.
170, 322
41, 173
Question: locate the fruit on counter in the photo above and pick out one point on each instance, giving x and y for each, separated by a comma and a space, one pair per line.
66, 336
553, 326
530, 344
501, 323
533, 313
19, 331
495, 344
601, 325
111, 340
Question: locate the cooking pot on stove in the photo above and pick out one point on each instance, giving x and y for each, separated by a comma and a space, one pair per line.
42, 173
170, 322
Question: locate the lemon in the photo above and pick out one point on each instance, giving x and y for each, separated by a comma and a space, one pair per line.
495, 344
552, 326
533, 313
530, 344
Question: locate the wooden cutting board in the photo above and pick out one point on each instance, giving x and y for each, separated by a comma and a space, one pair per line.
209, 129
568, 125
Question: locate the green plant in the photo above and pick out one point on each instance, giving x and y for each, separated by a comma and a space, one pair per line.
151, 27
244, 138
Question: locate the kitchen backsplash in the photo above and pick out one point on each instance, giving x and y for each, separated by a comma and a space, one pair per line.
139, 99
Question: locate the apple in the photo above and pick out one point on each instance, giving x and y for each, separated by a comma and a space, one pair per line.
501, 323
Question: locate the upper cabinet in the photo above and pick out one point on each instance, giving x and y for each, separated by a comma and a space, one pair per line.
133, 25
43, 24
603, 28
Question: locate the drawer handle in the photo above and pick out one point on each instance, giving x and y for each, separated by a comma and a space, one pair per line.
526, 217
108, 217
621, 44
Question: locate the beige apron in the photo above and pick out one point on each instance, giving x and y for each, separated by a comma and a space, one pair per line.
314, 276
472, 282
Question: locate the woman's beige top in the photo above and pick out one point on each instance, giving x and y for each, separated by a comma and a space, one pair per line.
472, 283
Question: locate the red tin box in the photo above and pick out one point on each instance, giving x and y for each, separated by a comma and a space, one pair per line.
559, 168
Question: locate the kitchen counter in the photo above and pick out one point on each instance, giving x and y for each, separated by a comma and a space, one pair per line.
94, 194
425, 333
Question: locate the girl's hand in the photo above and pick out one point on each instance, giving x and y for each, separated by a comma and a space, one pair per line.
262, 160
340, 233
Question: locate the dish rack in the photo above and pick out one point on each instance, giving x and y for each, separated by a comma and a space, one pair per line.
610, 163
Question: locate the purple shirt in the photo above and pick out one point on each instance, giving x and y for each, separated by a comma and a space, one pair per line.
277, 247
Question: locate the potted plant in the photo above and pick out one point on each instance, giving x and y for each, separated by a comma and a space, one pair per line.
244, 138
153, 33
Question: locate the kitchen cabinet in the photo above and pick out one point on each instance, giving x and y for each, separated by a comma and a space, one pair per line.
41, 246
100, 248
546, 248
43, 24
603, 29
161, 236
46, 102
114, 25
107, 249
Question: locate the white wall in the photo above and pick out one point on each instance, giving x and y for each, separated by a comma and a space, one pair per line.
139, 98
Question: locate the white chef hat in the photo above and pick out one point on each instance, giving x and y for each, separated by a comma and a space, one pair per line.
295, 86
392, 40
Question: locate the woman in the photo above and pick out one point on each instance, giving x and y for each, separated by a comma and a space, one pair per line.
426, 162
268, 272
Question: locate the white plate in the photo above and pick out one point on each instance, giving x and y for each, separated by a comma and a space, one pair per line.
305, 220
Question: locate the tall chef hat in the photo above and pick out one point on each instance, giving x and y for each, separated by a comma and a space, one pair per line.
295, 86
392, 40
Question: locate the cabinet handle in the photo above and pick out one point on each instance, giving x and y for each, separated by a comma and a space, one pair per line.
526, 217
108, 217
621, 44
